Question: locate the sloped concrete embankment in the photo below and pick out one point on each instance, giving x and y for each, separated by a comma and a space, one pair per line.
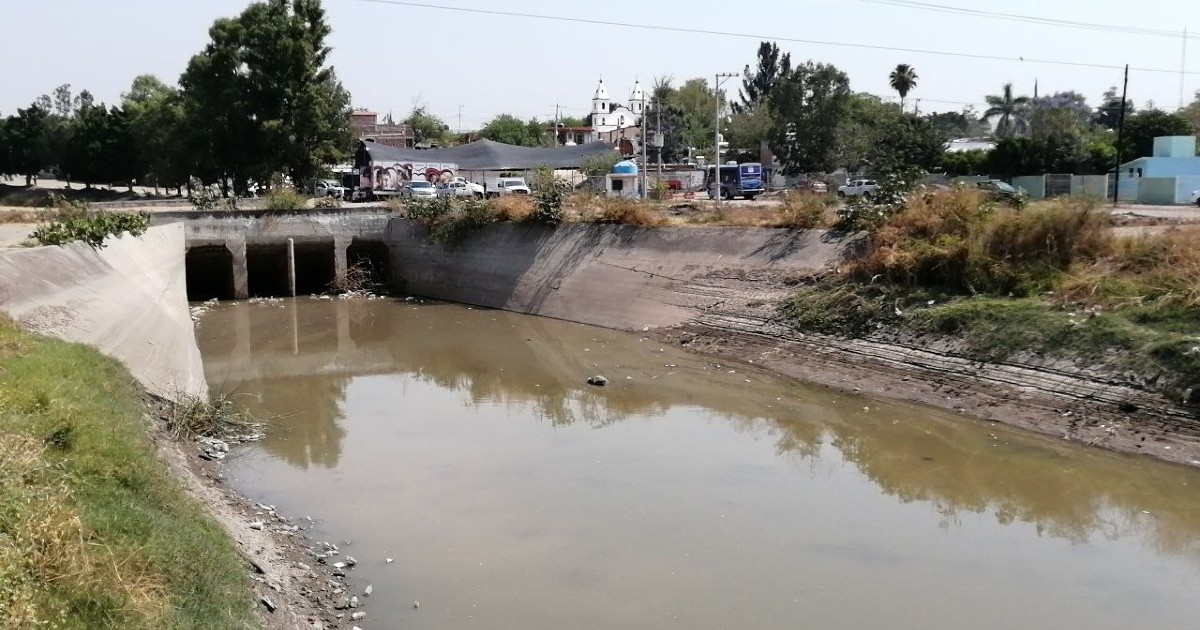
128, 299
621, 277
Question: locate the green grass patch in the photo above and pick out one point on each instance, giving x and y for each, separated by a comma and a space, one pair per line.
1151, 340
95, 532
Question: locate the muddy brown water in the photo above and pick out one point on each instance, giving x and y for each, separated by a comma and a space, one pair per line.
465, 444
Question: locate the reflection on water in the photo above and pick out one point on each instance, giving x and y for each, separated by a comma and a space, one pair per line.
464, 430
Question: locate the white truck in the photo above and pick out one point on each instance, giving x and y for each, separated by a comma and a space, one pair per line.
460, 187
503, 186
328, 188
857, 187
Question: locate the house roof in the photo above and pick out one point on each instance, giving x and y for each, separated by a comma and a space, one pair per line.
486, 155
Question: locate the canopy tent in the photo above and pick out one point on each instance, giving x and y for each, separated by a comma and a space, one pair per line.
485, 155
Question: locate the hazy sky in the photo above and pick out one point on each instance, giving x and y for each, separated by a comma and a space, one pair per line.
391, 57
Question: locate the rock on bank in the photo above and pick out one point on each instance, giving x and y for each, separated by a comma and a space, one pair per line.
128, 299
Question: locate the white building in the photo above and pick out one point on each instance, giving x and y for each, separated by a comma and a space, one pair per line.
610, 119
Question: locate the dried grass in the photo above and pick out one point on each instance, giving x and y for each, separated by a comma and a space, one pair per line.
1161, 268
622, 211
515, 208
956, 240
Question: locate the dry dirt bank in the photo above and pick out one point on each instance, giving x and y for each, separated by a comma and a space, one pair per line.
1051, 397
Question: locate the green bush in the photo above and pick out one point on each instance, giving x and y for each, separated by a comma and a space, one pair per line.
449, 220
550, 194
285, 200
93, 228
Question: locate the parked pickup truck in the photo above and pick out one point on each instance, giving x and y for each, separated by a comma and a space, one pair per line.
502, 186
328, 188
857, 187
460, 187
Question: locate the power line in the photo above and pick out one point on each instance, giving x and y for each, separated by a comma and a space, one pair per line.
1031, 19
815, 42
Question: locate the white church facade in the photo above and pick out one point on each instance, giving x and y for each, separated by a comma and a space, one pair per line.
614, 120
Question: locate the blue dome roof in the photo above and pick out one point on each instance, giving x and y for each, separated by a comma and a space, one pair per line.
625, 167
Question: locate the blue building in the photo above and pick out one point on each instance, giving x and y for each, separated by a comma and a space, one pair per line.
1167, 177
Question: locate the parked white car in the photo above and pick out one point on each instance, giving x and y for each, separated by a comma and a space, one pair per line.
328, 188
459, 187
418, 189
857, 187
1196, 197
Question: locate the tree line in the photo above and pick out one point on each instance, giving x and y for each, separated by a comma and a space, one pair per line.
260, 101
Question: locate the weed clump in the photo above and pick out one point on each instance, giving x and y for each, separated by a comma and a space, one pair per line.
449, 221
285, 200
804, 211
191, 417
959, 242
93, 228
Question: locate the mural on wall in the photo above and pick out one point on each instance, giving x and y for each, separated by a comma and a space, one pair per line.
395, 176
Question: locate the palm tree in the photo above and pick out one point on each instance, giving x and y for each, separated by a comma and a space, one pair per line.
903, 79
1012, 112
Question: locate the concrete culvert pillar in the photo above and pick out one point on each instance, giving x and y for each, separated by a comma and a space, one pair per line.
241, 272
340, 265
291, 265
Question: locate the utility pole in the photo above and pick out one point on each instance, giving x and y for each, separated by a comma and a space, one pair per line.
1120, 137
1183, 69
555, 139
460, 129
658, 139
645, 163
721, 76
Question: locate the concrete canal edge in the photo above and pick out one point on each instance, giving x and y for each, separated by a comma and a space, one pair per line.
129, 301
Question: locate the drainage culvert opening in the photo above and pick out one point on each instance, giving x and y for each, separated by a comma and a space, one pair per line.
368, 267
315, 268
267, 270
209, 272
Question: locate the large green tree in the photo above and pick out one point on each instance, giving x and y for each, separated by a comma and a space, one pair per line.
1108, 114
262, 97
757, 83
809, 106
903, 79
1192, 113
156, 112
1062, 115
427, 129
509, 129
1143, 127
1010, 112
26, 133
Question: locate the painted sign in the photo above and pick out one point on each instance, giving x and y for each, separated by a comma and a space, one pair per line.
395, 176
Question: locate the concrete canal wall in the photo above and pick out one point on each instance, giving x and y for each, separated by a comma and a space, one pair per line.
620, 277
128, 299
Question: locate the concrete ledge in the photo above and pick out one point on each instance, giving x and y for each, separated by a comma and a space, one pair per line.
128, 299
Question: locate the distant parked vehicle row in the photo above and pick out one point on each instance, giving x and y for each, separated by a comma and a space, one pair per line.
460, 187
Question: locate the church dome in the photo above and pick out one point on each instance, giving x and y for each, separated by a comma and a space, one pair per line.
638, 93
601, 92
